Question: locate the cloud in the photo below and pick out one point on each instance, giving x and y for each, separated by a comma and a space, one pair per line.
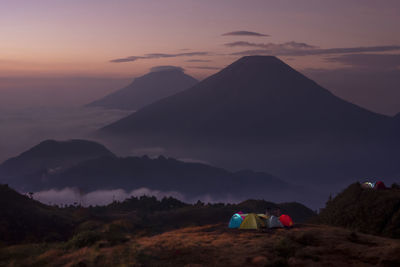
34, 125
166, 67
204, 67
303, 49
198, 60
72, 196
371, 61
126, 59
245, 33
272, 46
158, 55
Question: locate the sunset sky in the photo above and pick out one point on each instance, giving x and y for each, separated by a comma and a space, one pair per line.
123, 39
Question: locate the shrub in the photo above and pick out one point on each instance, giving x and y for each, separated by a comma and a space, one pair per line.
83, 239
284, 247
306, 238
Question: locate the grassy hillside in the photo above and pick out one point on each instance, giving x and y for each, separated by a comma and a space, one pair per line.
214, 245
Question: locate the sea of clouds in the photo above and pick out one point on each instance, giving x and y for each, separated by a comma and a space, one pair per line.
74, 196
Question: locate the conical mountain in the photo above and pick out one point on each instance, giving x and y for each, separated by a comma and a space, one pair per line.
147, 89
255, 98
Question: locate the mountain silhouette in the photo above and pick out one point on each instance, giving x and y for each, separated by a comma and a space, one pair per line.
255, 97
49, 156
166, 174
89, 166
279, 119
147, 89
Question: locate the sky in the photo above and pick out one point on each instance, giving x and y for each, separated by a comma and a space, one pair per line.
64, 46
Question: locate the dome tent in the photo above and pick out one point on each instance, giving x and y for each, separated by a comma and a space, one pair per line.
274, 222
252, 221
379, 185
235, 221
367, 185
286, 220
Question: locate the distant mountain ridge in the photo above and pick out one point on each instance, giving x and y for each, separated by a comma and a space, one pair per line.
49, 156
147, 89
105, 171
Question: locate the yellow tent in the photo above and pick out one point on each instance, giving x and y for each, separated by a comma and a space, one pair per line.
252, 221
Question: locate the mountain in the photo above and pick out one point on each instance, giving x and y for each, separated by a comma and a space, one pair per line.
262, 108
147, 89
255, 97
50, 156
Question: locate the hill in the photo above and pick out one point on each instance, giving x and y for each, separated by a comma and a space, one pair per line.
279, 119
25, 219
365, 210
48, 157
147, 89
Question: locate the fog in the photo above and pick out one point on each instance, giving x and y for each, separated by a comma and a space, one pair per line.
64, 91
20, 129
70, 196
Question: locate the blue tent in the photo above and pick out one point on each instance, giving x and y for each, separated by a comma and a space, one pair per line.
235, 221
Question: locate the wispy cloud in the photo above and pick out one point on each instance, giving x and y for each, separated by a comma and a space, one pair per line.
245, 33
303, 49
157, 55
272, 46
126, 59
371, 61
198, 60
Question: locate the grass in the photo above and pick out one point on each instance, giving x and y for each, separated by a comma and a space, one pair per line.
305, 245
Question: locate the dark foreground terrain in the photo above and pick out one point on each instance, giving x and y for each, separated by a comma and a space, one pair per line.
149, 232
215, 245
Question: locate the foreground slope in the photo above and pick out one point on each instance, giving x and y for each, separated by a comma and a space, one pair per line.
147, 89
215, 245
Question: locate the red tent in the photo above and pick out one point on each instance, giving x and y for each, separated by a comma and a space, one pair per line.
286, 220
379, 186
